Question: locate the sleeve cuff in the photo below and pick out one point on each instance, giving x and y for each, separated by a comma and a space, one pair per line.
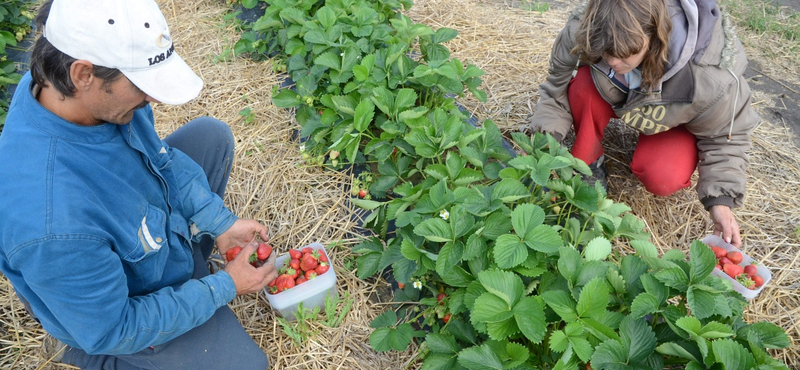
716, 201
221, 286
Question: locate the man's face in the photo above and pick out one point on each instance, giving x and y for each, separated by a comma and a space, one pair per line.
116, 101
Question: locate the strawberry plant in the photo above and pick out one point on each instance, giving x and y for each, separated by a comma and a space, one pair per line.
15, 24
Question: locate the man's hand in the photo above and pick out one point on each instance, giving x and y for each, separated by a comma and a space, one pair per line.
241, 233
249, 279
725, 225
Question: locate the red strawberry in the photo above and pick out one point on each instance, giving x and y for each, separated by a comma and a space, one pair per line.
719, 252
292, 272
751, 270
322, 268
735, 257
295, 263
401, 285
362, 193
231, 253
440, 298
724, 261
295, 254
323, 257
308, 262
446, 318
300, 279
719, 267
732, 270
758, 281
310, 274
264, 250
284, 282
307, 250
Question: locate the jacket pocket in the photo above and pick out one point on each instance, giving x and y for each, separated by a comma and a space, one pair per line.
150, 235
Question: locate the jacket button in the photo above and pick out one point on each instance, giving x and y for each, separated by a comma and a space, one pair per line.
158, 240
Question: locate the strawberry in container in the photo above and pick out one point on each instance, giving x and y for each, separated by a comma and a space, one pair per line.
304, 275
746, 275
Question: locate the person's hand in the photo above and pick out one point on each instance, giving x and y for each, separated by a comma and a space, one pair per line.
725, 225
240, 233
249, 279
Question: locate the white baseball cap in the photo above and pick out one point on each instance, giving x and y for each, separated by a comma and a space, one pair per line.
129, 35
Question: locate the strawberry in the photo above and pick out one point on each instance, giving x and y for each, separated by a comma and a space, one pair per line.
732, 270
758, 281
724, 261
323, 257
751, 270
231, 253
295, 263
719, 252
295, 254
263, 252
308, 262
440, 298
300, 279
719, 267
310, 274
292, 272
362, 193
401, 285
745, 281
284, 282
446, 318
307, 250
735, 257
322, 268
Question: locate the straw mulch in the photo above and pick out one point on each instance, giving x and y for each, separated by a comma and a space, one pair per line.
302, 204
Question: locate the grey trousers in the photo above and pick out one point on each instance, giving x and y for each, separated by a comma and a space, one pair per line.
221, 343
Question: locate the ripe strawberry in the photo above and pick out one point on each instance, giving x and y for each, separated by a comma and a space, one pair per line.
725, 261
310, 274
401, 285
718, 267
284, 282
295, 263
300, 279
292, 272
263, 252
745, 281
323, 257
735, 257
308, 262
362, 193
758, 281
307, 250
295, 254
719, 252
440, 298
751, 270
231, 253
446, 318
732, 270
322, 268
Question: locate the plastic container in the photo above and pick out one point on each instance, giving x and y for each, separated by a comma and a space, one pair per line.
312, 293
712, 240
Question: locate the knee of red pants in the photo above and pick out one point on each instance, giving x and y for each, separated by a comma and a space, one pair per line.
665, 162
661, 182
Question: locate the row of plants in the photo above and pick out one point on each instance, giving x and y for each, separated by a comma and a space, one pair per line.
503, 259
15, 24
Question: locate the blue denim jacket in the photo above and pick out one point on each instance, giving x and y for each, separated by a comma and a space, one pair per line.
97, 227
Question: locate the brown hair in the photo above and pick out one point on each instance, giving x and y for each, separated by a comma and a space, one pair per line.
618, 28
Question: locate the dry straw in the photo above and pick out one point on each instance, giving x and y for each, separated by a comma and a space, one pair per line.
303, 204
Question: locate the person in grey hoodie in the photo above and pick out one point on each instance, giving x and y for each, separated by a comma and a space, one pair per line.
672, 70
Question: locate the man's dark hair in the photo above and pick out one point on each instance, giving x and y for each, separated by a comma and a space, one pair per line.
50, 66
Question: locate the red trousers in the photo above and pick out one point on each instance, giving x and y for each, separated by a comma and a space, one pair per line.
663, 162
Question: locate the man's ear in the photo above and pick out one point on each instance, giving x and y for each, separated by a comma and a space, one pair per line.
82, 74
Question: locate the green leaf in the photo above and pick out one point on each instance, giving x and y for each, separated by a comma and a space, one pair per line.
569, 263
732, 355
510, 190
525, 217
365, 203
702, 302
509, 251
701, 261
562, 303
405, 99
598, 249
441, 343
367, 265
434, 229
344, 104
675, 349
490, 308
286, 98
363, 115
673, 277
644, 248
638, 337
644, 304
504, 284
385, 339
544, 238
765, 335
436, 361
517, 354
610, 355
593, 299
530, 318
480, 358
384, 320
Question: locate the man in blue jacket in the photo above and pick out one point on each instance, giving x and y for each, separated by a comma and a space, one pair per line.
107, 228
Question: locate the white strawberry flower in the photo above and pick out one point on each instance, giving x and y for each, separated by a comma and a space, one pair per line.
444, 214
418, 284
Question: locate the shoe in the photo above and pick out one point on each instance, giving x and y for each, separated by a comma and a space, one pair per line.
52, 349
599, 173
215, 263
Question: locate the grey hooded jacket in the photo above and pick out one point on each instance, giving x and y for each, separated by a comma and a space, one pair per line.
702, 88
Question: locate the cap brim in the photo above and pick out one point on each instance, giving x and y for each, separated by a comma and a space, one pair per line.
173, 82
